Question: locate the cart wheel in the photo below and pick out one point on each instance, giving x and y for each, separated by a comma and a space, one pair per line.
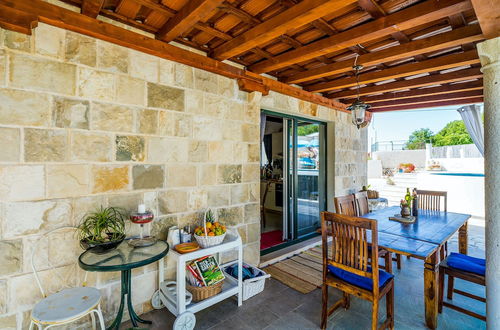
156, 301
185, 321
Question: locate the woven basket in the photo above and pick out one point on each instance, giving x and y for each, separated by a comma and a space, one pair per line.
208, 241
372, 194
204, 292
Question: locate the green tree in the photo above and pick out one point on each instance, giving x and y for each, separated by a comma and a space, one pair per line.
419, 138
307, 129
452, 134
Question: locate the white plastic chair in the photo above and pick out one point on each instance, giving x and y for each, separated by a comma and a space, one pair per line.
67, 305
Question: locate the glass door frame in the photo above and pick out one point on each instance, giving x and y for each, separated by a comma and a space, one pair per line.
290, 216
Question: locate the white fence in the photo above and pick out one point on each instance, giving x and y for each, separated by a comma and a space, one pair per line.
458, 151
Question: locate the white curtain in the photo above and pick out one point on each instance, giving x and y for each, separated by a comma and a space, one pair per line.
471, 115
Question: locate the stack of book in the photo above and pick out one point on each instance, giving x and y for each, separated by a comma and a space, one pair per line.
204, 271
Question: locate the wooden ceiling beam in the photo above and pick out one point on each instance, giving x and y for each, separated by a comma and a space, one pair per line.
445, 40
427, 105
186, 18
372, 8
419, 14
16, 20
429, 98
400, 71
91, 8
444, 78
66, 19
487, 12
292, 18
439, 90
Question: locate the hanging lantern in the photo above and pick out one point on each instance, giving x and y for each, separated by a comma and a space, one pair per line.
358, 111
360, 117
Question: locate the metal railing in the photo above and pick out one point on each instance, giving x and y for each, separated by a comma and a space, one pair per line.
388, 145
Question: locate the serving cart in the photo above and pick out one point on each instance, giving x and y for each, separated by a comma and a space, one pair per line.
174, 297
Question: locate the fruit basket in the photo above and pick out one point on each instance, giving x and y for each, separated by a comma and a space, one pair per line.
212, 233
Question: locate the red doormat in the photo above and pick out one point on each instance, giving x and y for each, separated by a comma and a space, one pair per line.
270, 239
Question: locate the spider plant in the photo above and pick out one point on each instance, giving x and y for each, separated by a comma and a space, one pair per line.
104, 225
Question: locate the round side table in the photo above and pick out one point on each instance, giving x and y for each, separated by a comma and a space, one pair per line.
124, 259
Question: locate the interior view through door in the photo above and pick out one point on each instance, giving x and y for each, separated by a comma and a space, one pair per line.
292, 179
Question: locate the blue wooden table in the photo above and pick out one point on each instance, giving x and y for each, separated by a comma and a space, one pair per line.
422, 239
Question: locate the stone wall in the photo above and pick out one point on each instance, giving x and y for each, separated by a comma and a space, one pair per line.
85, 123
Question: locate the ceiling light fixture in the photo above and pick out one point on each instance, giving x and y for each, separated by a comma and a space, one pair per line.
358, 108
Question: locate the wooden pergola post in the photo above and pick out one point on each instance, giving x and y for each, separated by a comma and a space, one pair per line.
489, 53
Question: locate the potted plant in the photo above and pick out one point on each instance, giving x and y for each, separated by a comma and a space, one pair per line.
102, 230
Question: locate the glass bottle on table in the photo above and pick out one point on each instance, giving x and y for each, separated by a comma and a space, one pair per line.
414, 208
408, 198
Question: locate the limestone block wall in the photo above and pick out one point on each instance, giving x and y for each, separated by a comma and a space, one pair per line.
84, 124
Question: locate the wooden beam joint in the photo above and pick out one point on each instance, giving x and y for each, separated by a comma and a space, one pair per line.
252, 86
91, 8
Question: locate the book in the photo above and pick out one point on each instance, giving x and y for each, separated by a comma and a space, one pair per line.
209, 270
193, 276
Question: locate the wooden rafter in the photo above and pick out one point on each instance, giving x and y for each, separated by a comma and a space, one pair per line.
429, 91
192, 12
427, 105
41, 11
441, 41
488, 15
294, 17
16, 20
430, 98
92, 8
429, 80
399, 71
425, 12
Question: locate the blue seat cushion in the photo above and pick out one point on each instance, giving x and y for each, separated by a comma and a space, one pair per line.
466, 263
358, 280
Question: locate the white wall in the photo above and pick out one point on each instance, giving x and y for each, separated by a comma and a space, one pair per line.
465, 193
391, 159
374, 168
462, 165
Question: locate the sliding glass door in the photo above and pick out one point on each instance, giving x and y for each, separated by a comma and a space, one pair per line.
309, 176
305, 180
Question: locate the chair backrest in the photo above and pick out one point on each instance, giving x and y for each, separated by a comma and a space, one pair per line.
345, 205
34, 251
349, 249
431, 200
361, 199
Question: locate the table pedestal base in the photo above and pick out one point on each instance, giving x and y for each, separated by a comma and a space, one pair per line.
126, 290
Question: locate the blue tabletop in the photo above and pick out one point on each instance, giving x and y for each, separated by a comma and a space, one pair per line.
420, 239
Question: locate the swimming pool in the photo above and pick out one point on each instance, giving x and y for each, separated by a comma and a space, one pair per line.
457, 174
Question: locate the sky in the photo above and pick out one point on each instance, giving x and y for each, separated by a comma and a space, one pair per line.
398, 125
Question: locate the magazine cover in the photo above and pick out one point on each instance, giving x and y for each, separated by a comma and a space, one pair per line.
209, 270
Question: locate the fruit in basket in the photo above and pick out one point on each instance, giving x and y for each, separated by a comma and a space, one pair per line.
213, 229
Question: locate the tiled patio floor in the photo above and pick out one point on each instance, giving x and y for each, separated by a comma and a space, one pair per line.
280, 307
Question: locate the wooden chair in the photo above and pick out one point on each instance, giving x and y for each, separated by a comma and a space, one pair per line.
346, 205
361, 200
349, 268
362, 208
431, 200
465, 268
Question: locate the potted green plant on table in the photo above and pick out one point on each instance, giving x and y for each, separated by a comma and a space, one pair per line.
102, 230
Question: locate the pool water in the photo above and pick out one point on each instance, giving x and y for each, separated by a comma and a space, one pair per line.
459, 174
